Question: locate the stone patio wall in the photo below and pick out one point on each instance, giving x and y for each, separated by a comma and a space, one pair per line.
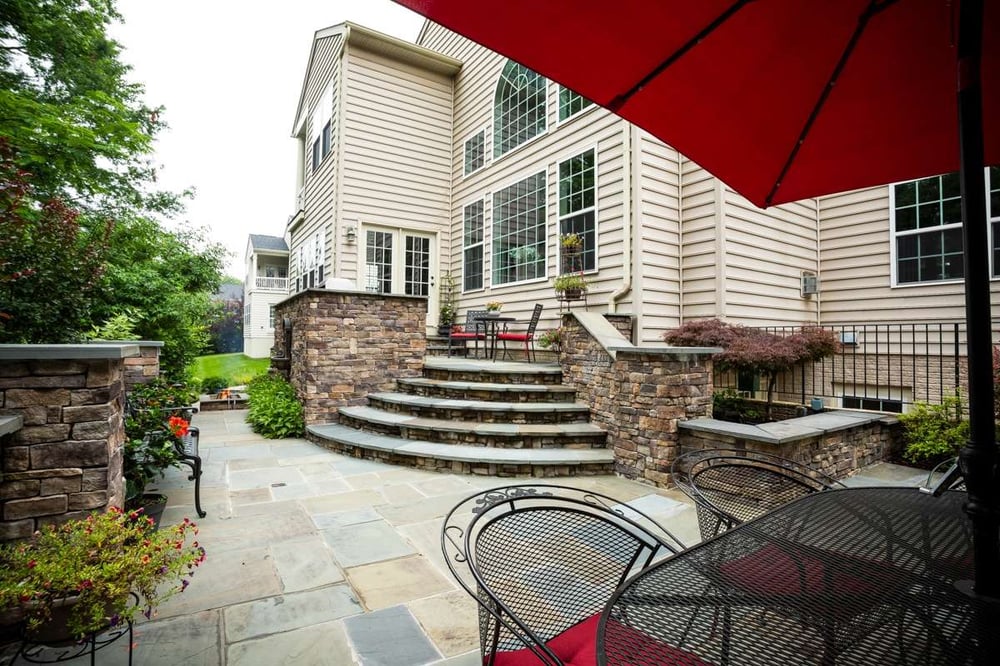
145, 367
638, 395
838, 452
66, 458
347, 344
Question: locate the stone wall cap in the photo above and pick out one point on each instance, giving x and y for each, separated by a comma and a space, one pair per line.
352, 292
141, 343
790, 430
9, 424
669, 351
102, 350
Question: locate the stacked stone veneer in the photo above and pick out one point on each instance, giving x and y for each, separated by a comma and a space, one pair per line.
638, 396
65, 461
145, 367
839, 453
345, 345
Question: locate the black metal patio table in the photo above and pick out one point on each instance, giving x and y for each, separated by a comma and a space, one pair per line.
491, 327
851, 576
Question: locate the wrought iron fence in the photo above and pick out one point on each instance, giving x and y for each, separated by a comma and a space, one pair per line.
882, 367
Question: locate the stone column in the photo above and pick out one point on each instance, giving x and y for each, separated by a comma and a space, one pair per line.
66, 458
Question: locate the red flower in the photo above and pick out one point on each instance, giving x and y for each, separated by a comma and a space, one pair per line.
178, 426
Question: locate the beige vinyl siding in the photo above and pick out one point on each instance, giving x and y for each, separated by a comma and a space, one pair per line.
320, 189
596, 129
658, 246
702, 277
397, 146
766, 253
856, 264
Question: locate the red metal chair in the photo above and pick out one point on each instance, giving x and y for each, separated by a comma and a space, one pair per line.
473, 329
528, 337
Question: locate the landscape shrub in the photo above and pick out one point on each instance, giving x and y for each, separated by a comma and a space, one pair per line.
214, 384
934, 432
273, 410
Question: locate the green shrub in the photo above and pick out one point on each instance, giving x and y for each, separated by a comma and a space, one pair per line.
934, 432
273, 410
214, 384
728, 405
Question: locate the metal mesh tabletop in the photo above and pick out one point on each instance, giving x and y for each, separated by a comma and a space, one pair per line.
853, 576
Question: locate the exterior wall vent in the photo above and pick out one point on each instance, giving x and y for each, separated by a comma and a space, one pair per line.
810, 283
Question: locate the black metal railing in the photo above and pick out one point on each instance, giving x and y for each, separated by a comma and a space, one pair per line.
882, 367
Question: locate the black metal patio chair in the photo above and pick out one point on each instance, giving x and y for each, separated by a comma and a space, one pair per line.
473, 329
542, 561
527, 337
731, 486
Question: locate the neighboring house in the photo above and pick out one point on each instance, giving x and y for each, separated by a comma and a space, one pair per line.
445, 156
266, 283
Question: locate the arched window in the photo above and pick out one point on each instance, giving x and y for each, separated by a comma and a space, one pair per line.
518, 108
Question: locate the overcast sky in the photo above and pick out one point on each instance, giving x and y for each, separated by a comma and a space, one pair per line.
229, 73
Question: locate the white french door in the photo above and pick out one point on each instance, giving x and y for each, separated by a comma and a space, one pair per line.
400, 261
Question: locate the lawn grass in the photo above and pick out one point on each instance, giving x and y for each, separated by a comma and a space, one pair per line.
237, 368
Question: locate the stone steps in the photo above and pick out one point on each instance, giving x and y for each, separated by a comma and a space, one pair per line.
498, 435
486, 391
482, 411
461, 458
476, 417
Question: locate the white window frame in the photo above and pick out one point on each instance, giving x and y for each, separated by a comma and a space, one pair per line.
587, 209
499, 150
587, 105
465, 151
481, 245
494, 239
270, 317
991, 218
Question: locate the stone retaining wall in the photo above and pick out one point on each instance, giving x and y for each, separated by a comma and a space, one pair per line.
345, 345
838, 451
66, 460
145, 367
638, 396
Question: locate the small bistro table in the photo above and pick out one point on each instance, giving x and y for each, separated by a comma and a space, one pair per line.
852, 576
491, 327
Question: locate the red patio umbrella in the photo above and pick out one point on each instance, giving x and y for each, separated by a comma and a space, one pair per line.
788, 99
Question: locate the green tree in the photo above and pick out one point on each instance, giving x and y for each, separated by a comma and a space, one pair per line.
67, 108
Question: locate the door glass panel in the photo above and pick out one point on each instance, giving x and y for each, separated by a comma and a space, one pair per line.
378, 261
417, 266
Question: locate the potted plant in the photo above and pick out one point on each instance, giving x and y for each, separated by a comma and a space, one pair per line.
551, 339
571, 286
447, 311
493, 308
571, 247
99, 572
571, 242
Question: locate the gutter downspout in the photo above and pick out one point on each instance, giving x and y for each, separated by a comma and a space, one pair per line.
340, 248
819, 260
629, 166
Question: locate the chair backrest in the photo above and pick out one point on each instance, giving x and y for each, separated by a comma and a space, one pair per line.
540, 559
732, 486
535, 316
472, 318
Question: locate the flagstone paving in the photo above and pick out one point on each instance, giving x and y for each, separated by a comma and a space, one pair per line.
318, 558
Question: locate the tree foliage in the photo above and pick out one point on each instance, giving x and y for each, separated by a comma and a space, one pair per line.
753, 350
67, 107
50, 262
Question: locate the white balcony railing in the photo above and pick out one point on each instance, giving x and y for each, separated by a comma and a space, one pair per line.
271, 283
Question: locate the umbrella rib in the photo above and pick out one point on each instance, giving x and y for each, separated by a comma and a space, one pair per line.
874, 7
619, 100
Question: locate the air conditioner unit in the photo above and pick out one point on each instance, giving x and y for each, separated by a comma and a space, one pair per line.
810, 283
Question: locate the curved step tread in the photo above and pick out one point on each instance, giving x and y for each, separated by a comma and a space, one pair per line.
478, 405
460, 452
503, 429
479, 366
485, 386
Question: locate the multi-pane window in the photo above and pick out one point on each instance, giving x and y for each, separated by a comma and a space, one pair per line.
475, 152
577, 208
270, 317
321, 127
571, 103
378, 261
417, 266
518, 108
519, 231
246, 317
927, 216
993, 210
927, 226
472, 247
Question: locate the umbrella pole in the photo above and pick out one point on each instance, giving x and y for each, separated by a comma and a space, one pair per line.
979, 456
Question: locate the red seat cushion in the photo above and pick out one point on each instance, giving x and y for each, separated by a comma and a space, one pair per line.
518, 337
577, 646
